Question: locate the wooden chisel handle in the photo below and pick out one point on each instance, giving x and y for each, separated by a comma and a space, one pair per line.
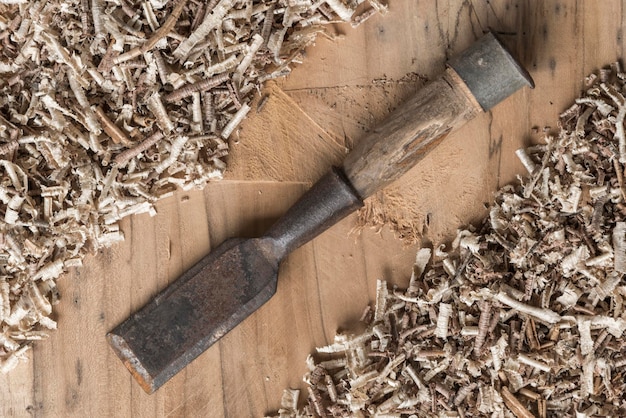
477, 80
408, 134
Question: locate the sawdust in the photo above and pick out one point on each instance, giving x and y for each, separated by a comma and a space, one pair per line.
433, 196
270, 145
390, 209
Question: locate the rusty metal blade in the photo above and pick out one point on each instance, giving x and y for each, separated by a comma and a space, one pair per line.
195, 311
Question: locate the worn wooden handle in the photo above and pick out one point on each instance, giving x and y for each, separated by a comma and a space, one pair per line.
409, 133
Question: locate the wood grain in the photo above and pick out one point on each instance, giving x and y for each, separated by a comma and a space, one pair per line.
410, 133
341, 92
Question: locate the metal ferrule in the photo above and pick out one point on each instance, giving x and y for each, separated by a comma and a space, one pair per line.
490, 71
331, 199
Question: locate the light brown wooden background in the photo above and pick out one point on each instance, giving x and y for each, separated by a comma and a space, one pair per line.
343, 89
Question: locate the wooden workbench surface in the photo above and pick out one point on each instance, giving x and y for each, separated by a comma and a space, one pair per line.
343, 88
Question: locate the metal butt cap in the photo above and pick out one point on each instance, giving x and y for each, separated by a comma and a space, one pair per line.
490, 71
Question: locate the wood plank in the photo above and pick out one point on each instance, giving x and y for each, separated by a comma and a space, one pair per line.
16, 396
342, 91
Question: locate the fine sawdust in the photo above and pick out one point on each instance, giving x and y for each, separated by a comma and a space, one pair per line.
391, 209
431, 194
270, 148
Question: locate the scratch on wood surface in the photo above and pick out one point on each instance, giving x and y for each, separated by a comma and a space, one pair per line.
450, 34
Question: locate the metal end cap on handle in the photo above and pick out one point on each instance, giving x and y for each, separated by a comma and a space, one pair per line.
490, 71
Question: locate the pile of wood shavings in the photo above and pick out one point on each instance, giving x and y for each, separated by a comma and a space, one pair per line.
107, 107
524, 317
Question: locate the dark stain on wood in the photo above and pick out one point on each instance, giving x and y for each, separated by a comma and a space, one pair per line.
71, 398
33, 410
495, 147
76, 300
552, 64
382, 32
78, 368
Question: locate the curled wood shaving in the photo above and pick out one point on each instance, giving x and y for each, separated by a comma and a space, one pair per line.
522, 317
107, 107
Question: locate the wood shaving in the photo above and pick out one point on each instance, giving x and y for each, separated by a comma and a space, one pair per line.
521, 317
107, 107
